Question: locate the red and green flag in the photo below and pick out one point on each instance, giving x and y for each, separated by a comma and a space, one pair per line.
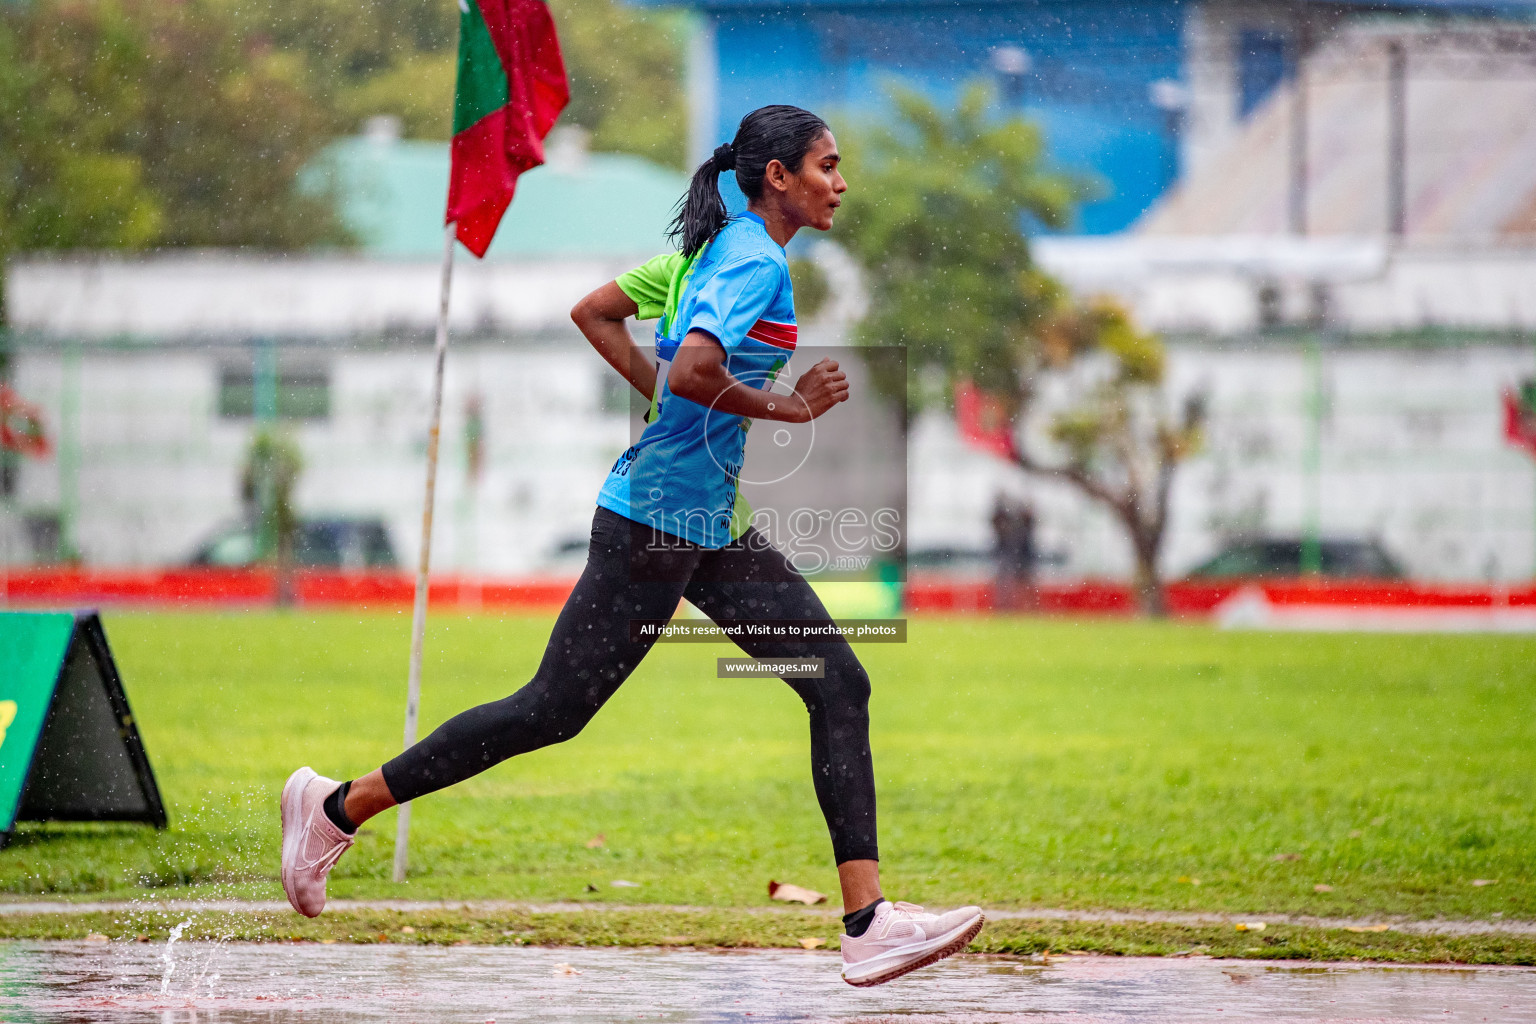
21, 430
983, 420
1520, 416
511, 87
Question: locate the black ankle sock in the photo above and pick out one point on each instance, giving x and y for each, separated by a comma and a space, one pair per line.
858, 922
336, 809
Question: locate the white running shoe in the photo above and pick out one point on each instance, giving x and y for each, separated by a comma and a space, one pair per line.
904, 937
311, 844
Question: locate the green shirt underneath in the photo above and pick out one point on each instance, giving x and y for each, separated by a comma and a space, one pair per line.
657, 284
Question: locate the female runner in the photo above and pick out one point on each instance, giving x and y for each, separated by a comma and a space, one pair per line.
669, 525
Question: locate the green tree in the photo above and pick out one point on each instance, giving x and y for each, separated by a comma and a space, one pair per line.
132, 123
68, 86
267, 482
369, 57
365, 57
128, 124
1110, 434
273, 463
936, 218
626, 71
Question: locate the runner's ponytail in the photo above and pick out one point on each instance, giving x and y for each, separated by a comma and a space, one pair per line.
779, 132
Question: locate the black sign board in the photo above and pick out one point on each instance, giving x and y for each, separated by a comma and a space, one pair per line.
69, 748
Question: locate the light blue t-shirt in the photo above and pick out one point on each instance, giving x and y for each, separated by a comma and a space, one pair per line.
681, 477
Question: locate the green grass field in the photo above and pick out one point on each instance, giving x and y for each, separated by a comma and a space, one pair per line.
1021, 763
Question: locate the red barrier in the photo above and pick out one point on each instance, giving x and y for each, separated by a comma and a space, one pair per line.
138, 586
203, 587
1200, 598
337, 588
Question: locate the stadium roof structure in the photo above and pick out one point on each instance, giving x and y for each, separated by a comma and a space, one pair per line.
579, 205
1468, 145
1129, 95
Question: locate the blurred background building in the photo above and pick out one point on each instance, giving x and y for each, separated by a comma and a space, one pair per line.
155, 370
1328, 210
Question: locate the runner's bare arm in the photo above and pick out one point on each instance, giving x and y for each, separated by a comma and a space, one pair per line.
601, 316
698, 374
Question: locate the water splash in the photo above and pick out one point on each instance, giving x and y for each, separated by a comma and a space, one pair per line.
168, 959
204, 975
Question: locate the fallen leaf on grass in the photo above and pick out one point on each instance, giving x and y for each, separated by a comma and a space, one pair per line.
1187, 880
787, 893
565, 969
596, 841
1286, 856
1480, 882
621, 883
327, 942
1322, 887
1366, 927
1251, 926
96, 937
407, 930
812, 943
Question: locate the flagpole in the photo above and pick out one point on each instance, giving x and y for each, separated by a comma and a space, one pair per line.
419, 616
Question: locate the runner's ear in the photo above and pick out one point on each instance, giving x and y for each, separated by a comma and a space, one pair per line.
776, 176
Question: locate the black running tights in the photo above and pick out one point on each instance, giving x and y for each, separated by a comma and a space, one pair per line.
634, 573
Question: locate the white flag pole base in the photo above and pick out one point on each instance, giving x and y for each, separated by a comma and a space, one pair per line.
423, 567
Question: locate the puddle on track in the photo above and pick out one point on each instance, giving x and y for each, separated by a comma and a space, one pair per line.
210, 983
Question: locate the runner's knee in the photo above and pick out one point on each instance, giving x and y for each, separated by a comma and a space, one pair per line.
844, 689
544, 725
853, 681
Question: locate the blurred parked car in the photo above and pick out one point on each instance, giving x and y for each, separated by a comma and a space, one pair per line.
330, 543
1281, 557
975, 563
953, 561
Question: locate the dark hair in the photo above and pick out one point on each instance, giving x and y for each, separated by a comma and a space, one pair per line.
779, 132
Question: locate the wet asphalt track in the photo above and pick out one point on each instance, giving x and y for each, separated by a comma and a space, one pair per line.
208, 983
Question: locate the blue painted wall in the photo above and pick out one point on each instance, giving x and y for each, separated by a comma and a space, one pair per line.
1091, 63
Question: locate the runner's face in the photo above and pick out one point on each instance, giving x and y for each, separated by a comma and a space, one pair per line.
815, 192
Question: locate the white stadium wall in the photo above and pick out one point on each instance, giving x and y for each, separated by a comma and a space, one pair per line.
159, 468
1410, 445
1410, 452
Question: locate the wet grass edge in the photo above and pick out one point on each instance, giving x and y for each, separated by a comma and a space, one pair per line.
728, 929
